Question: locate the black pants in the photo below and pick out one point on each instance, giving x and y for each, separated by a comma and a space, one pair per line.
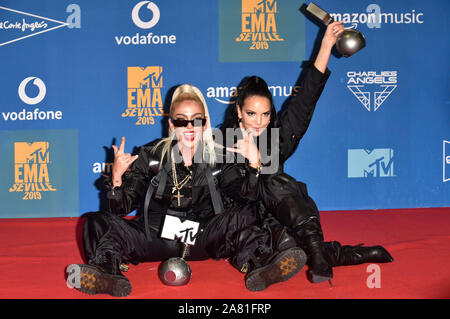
125, 238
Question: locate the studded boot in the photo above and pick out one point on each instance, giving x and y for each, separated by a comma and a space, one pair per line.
267, 255
278, 264
102, 277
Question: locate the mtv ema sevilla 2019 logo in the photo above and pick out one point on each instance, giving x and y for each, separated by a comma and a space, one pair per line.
31, 176
259, 25
144, 94
40, 170
261, 30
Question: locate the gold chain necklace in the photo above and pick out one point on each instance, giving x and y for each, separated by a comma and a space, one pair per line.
178, 186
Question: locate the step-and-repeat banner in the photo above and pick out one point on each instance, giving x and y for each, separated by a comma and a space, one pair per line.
77, 75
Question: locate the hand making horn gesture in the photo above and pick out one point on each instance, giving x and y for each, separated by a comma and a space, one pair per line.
122, 161
247, 147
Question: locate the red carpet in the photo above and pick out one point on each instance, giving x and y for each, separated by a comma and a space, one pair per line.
35, 252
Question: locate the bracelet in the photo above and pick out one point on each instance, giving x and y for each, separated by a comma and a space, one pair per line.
258, 169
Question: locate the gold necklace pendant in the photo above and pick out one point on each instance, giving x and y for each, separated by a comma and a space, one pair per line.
178, 186
178, 196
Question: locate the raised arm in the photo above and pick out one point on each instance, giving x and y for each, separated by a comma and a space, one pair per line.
296, 116
128, 182
328, 41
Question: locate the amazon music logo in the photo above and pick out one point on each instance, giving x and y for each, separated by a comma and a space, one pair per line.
227, 94
374, 18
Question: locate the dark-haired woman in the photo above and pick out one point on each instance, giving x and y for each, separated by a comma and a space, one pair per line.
283, 197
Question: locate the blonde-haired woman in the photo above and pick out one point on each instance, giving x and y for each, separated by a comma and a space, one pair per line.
182, 176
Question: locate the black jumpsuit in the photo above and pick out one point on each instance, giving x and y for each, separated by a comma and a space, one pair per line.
109, 232
292, 124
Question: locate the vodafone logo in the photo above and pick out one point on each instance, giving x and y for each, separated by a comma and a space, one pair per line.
145, 15
145, 24
32, 100
36, 114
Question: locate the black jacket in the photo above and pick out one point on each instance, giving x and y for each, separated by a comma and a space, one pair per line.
231, 180
293, 121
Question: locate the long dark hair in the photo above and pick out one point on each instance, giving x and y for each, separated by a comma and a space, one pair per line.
250, 86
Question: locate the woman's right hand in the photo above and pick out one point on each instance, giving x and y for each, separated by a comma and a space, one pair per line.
332, 33
122, 161
334, 30
247, 147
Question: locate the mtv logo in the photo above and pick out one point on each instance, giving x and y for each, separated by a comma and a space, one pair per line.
174, 228
259, 6
148, 77
33, 153
363, 163
446, 157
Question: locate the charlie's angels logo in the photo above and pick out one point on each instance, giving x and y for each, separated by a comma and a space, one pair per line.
144, 95
259, 26
371, 88
31, 176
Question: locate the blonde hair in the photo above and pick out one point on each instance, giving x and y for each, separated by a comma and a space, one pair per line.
187, 92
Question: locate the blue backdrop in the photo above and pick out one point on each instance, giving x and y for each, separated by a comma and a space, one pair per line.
76, 76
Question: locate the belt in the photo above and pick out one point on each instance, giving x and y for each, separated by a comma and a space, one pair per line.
176, 213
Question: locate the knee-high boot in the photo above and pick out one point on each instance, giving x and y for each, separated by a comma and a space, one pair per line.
346, 255
307, 231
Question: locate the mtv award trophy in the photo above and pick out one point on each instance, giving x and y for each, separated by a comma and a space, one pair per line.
349, 42
175, 271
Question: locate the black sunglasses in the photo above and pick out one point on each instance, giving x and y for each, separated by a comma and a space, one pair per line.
184, 123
